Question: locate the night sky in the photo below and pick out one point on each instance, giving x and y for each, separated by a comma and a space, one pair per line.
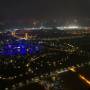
21, 9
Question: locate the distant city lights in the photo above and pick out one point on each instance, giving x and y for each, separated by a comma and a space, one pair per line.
72, 27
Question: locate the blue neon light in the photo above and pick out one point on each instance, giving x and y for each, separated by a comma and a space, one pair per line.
20, 48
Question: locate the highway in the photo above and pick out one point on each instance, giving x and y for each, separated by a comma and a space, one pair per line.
82, 77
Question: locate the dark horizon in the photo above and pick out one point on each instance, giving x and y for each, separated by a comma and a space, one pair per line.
44, 9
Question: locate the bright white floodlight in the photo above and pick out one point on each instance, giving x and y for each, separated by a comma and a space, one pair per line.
72, 27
